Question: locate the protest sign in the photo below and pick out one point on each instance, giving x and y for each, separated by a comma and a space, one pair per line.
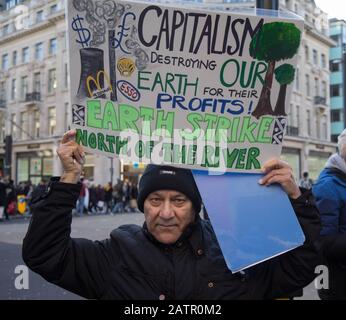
252, 223
191, 86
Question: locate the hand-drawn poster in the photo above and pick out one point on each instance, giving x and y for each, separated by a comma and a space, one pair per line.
191, 86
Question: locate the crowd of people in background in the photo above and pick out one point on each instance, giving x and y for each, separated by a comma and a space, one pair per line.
7, 198
110, 199
96, 199
93, 199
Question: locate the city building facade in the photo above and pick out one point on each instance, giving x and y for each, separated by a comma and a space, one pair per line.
337, 33
307, 144
34, 96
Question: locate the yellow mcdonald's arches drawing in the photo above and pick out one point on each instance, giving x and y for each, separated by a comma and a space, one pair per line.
96, 82
126, 67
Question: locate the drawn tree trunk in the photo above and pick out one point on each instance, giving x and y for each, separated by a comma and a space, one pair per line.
264, 105
280, 104
284, 75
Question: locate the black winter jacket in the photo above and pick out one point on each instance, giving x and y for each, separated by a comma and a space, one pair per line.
131, 264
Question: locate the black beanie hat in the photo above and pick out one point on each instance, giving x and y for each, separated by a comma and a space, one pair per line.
168, 178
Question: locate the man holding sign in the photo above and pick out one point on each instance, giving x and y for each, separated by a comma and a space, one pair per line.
175, 255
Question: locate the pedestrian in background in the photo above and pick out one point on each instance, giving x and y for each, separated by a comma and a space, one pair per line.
108, 197
133, 197
305, 182
11, 199
3, 199
92, 199
330, 194
100, 198
80, 203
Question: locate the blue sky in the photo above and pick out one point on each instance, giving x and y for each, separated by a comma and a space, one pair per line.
335, 8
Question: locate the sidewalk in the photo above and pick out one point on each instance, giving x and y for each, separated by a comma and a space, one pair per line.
15, 217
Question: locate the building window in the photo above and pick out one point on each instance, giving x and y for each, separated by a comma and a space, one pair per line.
317, 87
13, 126
3, 130
307, 56
13, 89
66, 76
297, 82
37, 124
324, 128
315, 57
11, 3
307, 85
2, 92
308, 121
39, 16
25, 55
293, 157
53, 9
51, 121
52, 46
14, 58
5, 30
23, 169
23, 87
5, 62
39, 51
323, 61
23, 124
335, 66
291, 116
52, 81
335, 90
324, 89
298, 116
37, 82
337, 39
336, 115
316, 161
2, 87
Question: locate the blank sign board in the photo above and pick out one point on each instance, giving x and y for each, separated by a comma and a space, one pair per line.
252, 223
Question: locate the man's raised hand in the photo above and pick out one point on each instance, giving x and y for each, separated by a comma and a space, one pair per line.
278, 171
72, 158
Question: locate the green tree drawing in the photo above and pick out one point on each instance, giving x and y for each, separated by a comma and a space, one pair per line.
274, 42
285, 76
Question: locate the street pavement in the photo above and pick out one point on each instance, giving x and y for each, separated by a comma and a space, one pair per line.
94, 227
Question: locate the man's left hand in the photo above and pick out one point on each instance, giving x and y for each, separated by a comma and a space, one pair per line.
278, 171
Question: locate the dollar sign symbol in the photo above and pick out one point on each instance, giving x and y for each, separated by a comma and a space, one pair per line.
83, 33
